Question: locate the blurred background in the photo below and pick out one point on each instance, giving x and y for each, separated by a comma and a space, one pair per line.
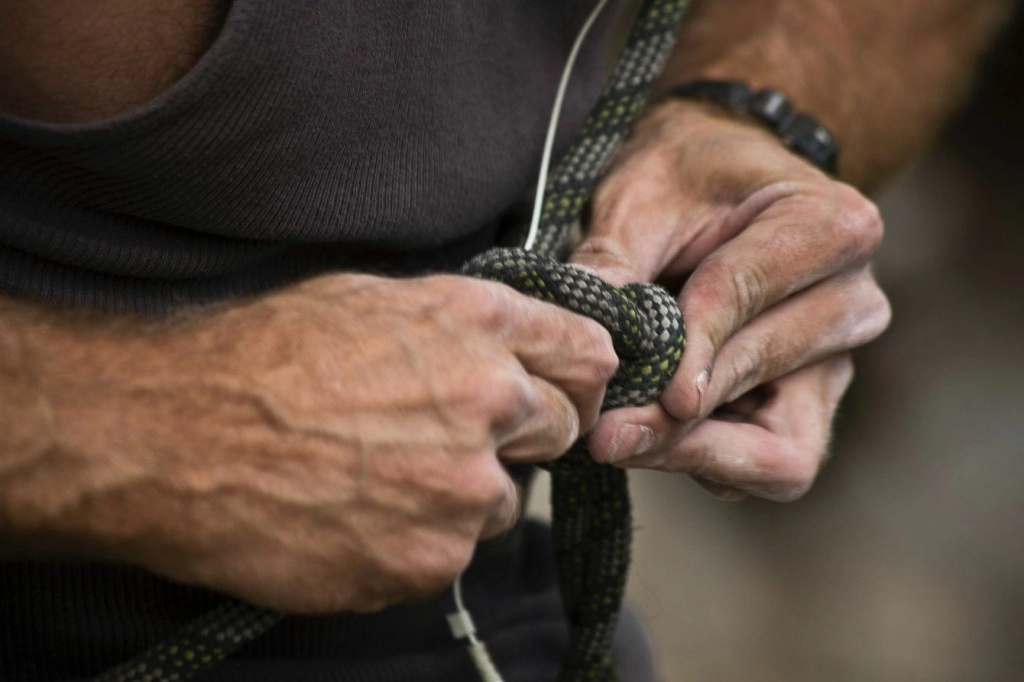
906, 561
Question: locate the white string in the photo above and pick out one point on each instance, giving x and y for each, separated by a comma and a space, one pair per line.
462, 627
460, 607
556, 112
461, 622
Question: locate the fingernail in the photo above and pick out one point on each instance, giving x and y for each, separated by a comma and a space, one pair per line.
724, 493
631, 440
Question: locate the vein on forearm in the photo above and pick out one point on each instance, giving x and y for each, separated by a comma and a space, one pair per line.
27, 432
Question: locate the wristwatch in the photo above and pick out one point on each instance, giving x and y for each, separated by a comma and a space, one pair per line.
799, 132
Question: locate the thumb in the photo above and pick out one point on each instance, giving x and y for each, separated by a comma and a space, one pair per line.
613, 260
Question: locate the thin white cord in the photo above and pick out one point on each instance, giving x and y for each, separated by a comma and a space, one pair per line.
460, 607
461, 621
462, 627
556, 112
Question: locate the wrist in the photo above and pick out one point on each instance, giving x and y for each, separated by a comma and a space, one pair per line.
803, 49
700, 118
709, 129
798, 131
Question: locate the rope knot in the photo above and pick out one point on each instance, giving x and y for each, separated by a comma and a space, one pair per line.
643, 319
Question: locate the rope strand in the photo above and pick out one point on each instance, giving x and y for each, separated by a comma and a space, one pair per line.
590, 502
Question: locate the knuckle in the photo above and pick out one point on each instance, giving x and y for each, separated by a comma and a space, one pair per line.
750, 288
859, 221
480, 489
739, 286
706, 281
796, 476
873, 309
498, 393
566, 427
706, 300
598, 352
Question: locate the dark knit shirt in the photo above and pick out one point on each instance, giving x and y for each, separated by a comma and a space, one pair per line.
315, 135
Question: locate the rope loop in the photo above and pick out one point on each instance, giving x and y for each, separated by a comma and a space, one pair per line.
643, 319
592, 521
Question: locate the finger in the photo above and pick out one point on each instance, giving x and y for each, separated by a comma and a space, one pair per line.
801, 238
633, 222
658, 210
741, 409
652, 231
543, 430
725, 493
506, 513
777, 453
628, 434
568, 351
620, 259
837, 315
832, 317
736, 411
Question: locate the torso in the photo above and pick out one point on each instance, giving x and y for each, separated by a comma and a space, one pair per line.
69, 61
157, 153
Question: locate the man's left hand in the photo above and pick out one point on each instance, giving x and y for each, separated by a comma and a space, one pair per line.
771, 261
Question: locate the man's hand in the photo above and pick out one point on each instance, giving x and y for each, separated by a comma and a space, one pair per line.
772, 259
336, 446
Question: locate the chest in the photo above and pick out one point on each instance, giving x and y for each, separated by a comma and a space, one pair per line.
66, 61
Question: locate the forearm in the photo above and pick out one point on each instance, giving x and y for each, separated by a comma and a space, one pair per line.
26, 430
51, 364
882, 75
76, 391
231, 449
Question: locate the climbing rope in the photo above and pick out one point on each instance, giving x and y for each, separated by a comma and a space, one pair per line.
591, 518
590, 507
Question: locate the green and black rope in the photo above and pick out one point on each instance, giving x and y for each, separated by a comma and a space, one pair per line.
591, 517
591, 514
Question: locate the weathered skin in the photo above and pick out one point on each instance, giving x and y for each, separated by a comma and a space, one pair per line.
358, 470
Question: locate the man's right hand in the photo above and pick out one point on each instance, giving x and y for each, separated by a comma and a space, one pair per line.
335, 446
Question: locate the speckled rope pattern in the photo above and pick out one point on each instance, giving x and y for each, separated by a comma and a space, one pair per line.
591, 515
574, 179
198, 646
591, 519
592, 524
